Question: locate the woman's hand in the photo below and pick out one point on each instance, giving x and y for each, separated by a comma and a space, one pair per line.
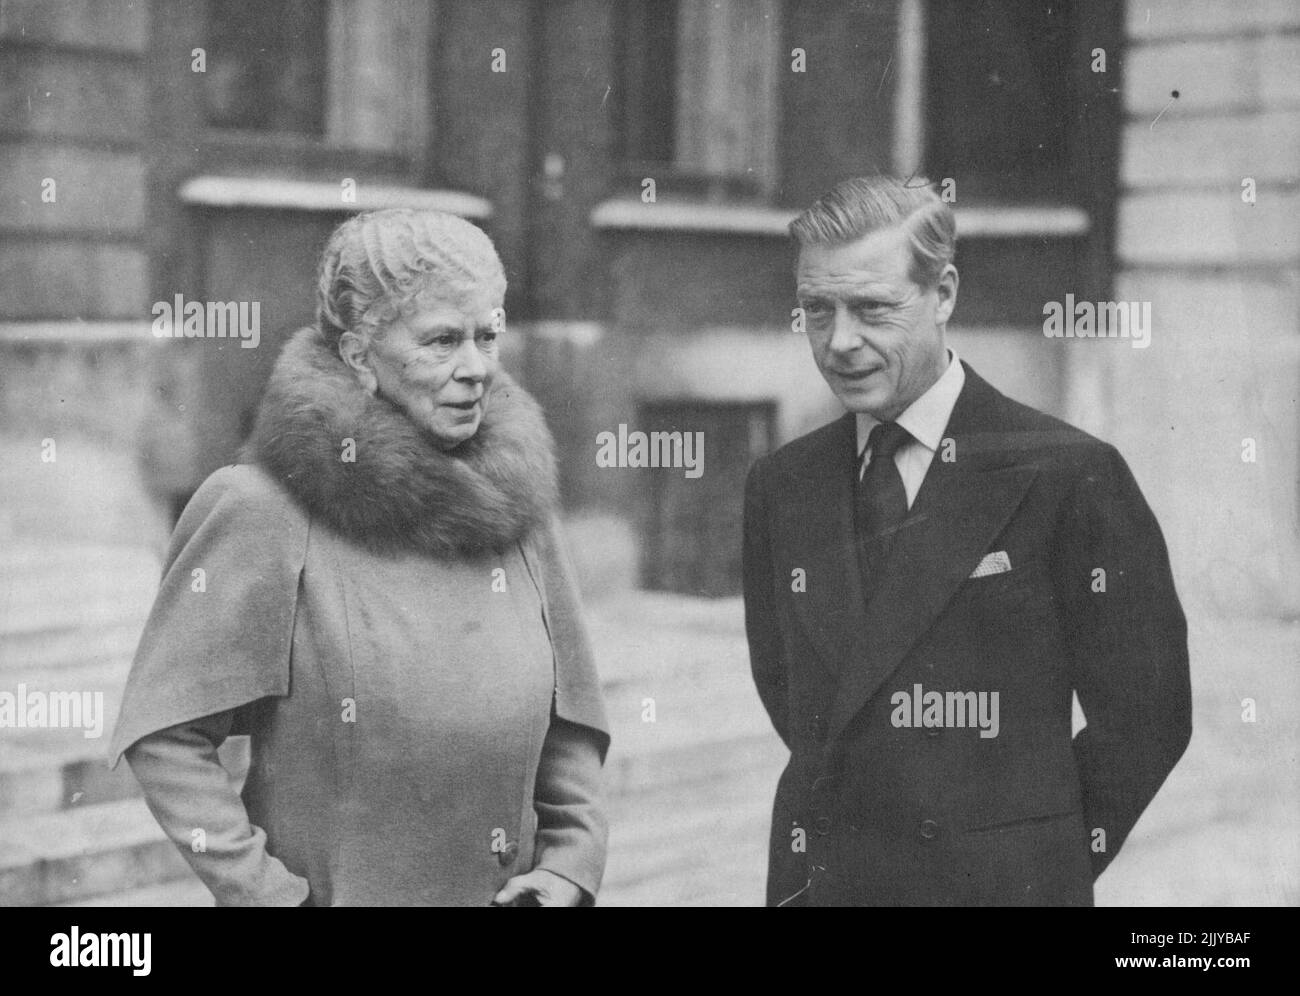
539, 888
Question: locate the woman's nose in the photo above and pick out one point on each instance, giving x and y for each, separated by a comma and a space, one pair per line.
470, 363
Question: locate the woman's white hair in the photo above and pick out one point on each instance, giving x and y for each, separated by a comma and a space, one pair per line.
375, 263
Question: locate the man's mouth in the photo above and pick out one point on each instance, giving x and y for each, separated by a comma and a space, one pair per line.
464, 406
858, 374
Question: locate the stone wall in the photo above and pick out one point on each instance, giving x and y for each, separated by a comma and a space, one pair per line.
1212, 99
74, 271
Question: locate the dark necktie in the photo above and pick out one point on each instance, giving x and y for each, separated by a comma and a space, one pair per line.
881, 503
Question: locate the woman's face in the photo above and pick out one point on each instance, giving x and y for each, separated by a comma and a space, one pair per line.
437, 360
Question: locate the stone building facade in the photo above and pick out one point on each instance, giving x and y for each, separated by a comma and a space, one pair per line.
1141, 151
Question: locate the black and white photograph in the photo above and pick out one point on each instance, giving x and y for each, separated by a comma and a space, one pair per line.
650, 453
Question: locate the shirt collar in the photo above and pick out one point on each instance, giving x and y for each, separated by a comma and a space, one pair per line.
925, 418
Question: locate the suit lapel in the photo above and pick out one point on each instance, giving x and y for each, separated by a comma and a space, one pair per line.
959, 511
817, 526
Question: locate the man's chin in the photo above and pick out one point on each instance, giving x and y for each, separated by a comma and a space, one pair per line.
864, 401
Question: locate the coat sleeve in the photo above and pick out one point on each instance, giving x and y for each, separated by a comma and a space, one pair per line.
199, 808
571, 828
220, 631
1127, 641
761, 631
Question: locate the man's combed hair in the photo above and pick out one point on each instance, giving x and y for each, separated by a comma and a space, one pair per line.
866, 204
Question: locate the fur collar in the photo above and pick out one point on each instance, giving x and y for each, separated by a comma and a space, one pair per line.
402, 493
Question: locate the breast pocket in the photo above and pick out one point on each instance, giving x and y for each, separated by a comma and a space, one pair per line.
1026, 584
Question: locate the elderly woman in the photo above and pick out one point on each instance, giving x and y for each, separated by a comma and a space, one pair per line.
377, 596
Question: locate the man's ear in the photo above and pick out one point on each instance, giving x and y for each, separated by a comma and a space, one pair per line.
947, 290
354, 350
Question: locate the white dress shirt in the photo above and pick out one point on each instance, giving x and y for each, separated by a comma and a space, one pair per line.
925, 419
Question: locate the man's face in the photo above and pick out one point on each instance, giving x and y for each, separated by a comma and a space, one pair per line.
876, 335
437, 360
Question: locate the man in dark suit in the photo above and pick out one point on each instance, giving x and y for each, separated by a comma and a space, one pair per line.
927, 582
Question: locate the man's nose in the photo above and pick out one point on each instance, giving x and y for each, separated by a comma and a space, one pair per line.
845, 334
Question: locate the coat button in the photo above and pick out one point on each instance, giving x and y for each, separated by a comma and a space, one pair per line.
508, 854
929, 829
822, 825
817, 728
934, 732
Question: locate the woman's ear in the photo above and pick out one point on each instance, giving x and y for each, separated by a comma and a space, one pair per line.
354, 350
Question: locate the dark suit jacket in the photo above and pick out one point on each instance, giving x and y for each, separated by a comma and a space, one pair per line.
868, 812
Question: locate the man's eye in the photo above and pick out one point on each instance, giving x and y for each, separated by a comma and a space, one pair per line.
816, 308
487, 337
443, 340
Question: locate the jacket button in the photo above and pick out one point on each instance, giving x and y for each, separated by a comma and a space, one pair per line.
822, 825
929, 829
508, 854
934, 732
817, 727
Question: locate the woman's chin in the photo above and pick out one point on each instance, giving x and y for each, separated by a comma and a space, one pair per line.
450, 434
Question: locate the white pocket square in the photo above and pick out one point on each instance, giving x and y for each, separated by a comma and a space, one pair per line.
993, 563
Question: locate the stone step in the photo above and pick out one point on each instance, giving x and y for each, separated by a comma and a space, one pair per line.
711, 838
43, 769
635, 653
684, 833
179, 892
22, 621
79, 853
657, 612
35, 783
60, 589
112, 640
69, 773
39, 559
668, 765
736, 878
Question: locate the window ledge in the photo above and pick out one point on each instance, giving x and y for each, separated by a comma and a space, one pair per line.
691, 216
307, 195
989, 222
58, 330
